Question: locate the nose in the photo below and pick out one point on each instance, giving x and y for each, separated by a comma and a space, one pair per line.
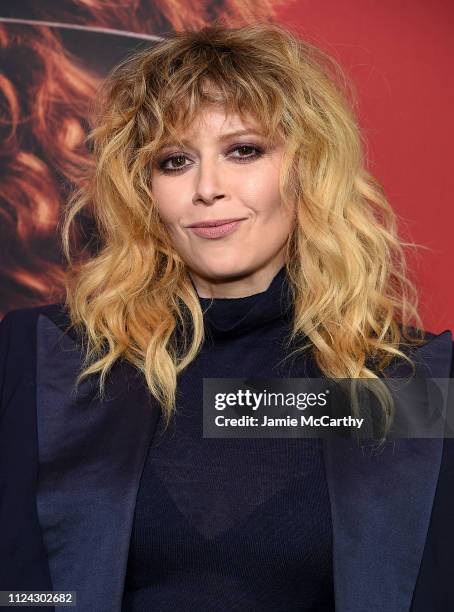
209, 186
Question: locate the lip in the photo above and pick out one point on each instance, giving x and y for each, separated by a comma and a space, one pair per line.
216, 231
215, 222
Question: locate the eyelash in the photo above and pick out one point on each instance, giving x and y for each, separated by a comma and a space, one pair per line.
241, 160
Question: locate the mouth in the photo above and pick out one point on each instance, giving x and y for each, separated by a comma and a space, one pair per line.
216, 229
214, 222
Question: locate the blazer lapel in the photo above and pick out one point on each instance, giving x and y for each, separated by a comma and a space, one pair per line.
91, 456
381, 505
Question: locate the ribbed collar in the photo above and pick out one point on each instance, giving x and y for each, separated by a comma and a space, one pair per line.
237, 316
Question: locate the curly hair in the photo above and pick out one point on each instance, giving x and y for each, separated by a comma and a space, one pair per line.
354, 304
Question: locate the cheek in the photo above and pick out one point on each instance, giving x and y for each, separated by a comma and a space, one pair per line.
165, 196
261, 191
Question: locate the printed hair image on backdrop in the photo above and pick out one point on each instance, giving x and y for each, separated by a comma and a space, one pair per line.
218, 224
53, 55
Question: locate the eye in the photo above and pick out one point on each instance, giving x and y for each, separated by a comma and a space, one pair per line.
246, 148
175, 163
175, 160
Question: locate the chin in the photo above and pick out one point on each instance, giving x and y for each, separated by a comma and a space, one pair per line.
225, 272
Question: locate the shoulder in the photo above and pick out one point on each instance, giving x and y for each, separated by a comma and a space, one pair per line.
18, 326
27, 317
433, 357
18, 342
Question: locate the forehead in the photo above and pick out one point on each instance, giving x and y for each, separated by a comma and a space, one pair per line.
214, 123
220, 119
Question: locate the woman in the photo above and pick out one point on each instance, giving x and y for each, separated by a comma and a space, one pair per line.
239, 235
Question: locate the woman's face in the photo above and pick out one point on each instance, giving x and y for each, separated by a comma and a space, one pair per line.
221, 174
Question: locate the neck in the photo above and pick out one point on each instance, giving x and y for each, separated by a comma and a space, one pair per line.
227, 317
243, 285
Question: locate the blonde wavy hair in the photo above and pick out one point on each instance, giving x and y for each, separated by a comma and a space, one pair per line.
353, 300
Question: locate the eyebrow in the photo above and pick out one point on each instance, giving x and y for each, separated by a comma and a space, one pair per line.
221, 138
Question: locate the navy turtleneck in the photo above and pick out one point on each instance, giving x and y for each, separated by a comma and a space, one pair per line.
232, 524
233, 316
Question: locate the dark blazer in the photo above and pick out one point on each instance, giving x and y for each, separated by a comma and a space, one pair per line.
70, 470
